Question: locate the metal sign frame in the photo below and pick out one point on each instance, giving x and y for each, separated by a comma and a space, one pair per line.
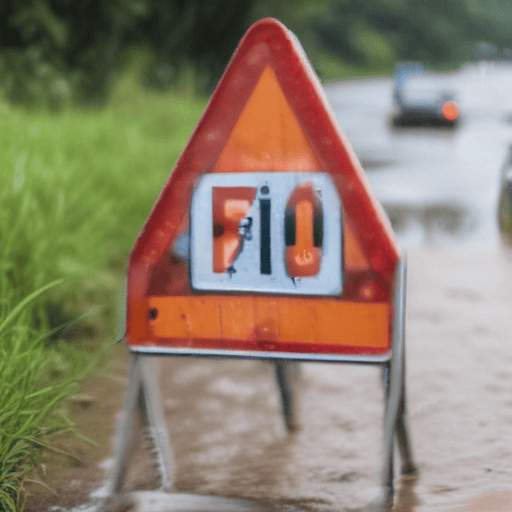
143, 396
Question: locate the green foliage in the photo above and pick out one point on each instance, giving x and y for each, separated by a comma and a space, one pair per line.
373, 33
67, 190
76, 188
297, 17
192, 32
375, 49
56, 50
29, 394
359, 37
53, 49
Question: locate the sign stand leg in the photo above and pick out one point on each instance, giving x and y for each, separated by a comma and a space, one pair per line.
395, 423
154, 421
142, 393
125, 429
402, 431
284, 379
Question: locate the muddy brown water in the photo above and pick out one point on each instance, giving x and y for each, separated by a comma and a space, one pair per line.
229, 440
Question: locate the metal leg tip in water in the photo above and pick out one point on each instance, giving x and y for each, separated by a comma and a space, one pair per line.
381, 501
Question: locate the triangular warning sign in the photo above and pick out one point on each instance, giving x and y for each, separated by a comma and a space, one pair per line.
268, 114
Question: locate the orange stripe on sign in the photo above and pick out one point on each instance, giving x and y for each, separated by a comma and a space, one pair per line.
281, 319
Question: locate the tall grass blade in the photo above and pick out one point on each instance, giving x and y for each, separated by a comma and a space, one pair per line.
27, 300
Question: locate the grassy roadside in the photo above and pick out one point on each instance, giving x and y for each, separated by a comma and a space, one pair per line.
75, 190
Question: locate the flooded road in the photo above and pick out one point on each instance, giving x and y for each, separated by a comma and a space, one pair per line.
439, 186
440, 189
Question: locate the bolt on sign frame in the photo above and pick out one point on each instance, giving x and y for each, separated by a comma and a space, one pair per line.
266, 242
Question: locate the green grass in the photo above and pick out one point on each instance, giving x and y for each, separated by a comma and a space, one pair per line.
29, 393
75, 189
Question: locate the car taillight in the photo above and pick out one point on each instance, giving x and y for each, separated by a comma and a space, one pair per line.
450, 110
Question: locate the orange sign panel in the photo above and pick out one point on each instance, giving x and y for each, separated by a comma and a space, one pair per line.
266, 239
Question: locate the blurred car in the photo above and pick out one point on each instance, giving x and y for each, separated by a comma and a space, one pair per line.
420, 100
505, 198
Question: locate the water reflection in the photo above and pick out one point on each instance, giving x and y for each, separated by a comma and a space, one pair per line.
371, 164
406, 498
432, 223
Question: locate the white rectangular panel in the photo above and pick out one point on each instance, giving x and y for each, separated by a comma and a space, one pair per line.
261, 264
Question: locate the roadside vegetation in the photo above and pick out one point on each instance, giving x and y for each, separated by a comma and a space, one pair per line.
75, 190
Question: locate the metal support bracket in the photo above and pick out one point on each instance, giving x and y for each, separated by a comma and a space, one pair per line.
284, 377
142, 395
395, 415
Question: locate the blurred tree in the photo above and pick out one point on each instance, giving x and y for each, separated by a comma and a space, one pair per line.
50, 49
436, 32
377, 32
490, 27
182, 32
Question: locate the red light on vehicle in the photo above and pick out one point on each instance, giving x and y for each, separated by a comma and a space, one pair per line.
450, 111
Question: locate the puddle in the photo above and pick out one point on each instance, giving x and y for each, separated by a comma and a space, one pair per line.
160, 501
374, 164
432, 223
492, 502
